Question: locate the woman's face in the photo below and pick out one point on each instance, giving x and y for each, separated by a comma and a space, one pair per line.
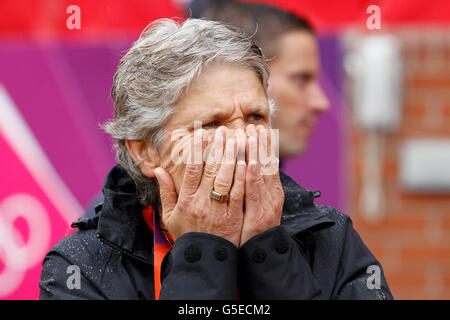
223, 95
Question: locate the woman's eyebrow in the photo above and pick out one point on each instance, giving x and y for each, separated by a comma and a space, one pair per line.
258, 108
204, 117
219, 113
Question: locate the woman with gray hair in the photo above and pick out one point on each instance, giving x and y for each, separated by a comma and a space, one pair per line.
196, 207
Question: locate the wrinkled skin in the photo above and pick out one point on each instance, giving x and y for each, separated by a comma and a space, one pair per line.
223, 97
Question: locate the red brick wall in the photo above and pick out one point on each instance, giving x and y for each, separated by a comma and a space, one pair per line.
413, 240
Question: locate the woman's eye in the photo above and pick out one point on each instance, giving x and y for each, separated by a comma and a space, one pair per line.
256, 117
211, 124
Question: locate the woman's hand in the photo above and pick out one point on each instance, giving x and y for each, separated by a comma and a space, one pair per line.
193, 210
264, 195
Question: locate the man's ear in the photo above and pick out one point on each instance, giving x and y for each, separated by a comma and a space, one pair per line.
145, 154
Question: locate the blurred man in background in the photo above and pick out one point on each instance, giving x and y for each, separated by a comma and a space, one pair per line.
291, 45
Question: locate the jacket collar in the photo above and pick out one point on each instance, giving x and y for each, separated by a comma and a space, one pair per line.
299, 211
121, 224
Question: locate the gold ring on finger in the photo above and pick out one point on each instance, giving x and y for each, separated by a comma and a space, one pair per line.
221, 197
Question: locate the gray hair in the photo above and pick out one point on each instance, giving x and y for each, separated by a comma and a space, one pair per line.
157, 71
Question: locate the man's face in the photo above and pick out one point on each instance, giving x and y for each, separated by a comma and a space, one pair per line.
294, 86
223, 95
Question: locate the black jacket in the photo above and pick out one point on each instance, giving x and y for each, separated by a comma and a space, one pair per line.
314, 254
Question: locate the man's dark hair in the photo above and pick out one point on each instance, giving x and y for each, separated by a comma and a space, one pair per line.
266, 23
